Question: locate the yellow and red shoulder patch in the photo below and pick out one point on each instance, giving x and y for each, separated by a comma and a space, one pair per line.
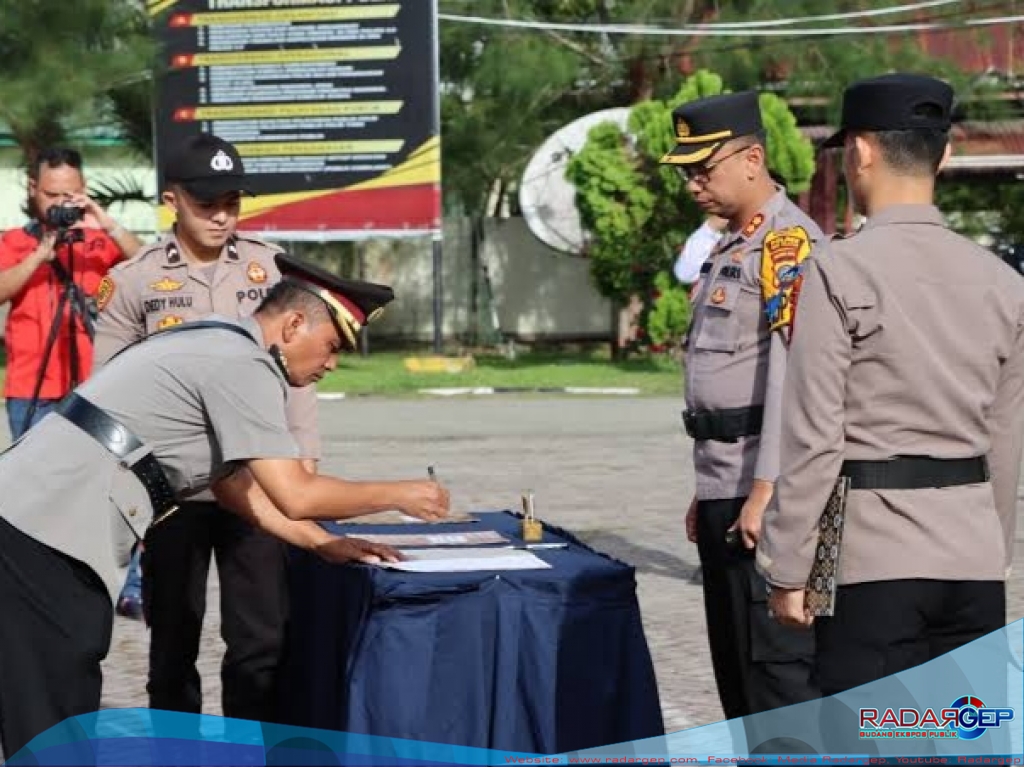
782, 256
104, 292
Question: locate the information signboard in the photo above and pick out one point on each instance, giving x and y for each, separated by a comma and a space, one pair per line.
331, 103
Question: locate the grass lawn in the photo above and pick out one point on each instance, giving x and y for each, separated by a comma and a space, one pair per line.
383, 373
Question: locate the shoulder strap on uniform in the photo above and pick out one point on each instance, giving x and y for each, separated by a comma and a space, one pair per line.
205, 325
195, 325
782, 256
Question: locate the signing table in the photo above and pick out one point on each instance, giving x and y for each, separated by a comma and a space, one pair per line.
543, 661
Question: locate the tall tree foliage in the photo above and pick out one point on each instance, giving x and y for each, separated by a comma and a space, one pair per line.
59, 60
506, 90
812, 71
533, 81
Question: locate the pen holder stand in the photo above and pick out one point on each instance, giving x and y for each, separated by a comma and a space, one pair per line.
533, 531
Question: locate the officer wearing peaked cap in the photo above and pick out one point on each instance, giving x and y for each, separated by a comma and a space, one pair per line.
907, 377
702, 127
353, 306
204, 266
199, 405
735, 365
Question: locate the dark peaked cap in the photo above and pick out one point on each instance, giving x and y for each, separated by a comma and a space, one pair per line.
894, 102
351, 303
702, 126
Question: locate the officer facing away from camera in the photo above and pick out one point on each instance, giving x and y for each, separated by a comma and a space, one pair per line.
906, 376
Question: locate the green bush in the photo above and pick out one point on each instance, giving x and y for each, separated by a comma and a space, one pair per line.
670, 312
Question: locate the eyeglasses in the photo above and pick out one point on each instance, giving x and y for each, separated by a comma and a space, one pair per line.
702, 173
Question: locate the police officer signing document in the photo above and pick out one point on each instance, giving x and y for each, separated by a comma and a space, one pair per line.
735, 363
906, 375
187, 409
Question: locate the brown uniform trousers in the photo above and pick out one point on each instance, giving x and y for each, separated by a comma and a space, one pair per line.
735, 369
157, 289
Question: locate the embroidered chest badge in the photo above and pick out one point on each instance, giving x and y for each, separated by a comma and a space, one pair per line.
256, 273
169, 322
166, 285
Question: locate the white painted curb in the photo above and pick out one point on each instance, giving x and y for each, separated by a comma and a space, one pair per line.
488, 390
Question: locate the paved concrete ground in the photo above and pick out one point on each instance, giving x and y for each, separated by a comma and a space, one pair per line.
615, 471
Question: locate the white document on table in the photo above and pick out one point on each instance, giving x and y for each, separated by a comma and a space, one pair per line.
475, 538
466, 560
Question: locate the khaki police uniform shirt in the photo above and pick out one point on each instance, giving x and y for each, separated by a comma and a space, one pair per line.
201, 401
159, 288
909, 340
732, 360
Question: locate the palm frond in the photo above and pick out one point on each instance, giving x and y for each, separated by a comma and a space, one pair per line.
119, 190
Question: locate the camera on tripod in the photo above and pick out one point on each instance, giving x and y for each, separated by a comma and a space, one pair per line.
73, 306
63, 216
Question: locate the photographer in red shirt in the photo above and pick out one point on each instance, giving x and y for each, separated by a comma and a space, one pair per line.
58, 259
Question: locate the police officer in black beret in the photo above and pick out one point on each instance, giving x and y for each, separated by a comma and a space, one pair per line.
905, 376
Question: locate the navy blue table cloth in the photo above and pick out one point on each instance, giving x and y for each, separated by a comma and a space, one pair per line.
543, 661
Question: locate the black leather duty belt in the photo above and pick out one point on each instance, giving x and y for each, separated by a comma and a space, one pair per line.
912, 472
723, 425
118, 440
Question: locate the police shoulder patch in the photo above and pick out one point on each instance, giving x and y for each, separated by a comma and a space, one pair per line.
782, 257
104, 292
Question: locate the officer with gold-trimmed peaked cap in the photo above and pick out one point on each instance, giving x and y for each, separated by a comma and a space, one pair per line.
701, 127
352, 304
194, 407
743, 311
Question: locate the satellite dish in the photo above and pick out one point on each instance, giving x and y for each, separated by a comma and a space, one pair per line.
546, 198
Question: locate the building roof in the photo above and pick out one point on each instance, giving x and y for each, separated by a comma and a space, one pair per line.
996, 146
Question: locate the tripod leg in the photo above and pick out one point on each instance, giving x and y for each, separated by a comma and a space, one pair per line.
41, 375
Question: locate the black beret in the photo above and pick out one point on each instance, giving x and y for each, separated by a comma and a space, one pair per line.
894, 102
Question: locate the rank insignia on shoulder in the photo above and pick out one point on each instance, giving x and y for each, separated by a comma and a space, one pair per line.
782, 256
256, 273
753, 225
169, 322
166, 285
104, 292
